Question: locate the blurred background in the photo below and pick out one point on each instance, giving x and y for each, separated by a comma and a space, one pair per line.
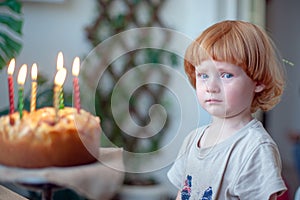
76, 27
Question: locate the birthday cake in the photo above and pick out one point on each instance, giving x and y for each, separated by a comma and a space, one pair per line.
45, 138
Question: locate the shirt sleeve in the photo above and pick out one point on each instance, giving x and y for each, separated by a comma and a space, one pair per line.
260, 177
177, 172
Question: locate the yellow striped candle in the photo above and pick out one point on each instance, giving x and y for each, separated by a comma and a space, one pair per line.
33, 87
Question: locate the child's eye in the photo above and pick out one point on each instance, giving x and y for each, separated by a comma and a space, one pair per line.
227, 75
202, 76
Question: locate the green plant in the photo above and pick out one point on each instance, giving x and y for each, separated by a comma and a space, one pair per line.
110, 23
11, 23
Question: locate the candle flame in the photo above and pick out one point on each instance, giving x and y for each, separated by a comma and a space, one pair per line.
60, 77
11, 67
60, 61
34, 72
22, 74
76, 65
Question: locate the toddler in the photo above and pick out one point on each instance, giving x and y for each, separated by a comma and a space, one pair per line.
235, 70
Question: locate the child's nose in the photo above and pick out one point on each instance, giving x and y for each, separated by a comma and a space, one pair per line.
213, 85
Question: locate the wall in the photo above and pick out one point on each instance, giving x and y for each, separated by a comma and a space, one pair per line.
282, 23
53, 27
50, 28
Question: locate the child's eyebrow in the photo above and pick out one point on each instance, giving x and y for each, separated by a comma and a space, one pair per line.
197, 68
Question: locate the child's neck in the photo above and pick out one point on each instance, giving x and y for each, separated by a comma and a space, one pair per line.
222, 128
232, 123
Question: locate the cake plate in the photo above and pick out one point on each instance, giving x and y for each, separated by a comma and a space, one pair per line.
98, 180
39, 185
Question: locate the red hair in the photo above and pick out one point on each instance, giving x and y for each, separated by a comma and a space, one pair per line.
246, 45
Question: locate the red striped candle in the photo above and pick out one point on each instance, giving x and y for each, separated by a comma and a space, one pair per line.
10, 71
76, 90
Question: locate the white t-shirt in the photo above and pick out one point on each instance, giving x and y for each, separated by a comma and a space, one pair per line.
245, 166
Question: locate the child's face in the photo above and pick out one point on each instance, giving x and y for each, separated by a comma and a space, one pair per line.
223, 89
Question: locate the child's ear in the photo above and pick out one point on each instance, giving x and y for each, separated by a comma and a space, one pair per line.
259, 87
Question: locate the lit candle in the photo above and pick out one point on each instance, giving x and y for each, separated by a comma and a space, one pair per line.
76, 91
33, 87
21, 81
60, 61
60, 65
10, 71
58, 94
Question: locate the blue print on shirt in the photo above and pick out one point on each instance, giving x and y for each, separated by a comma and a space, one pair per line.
186, 190
207, 194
